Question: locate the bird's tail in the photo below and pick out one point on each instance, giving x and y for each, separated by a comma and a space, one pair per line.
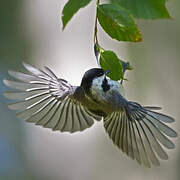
141, 132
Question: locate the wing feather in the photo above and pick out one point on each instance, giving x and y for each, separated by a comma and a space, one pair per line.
45, 100
148, 147
143, 153
130, 144
135, 145
140, 133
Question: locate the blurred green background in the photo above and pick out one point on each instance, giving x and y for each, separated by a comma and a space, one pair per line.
30, 31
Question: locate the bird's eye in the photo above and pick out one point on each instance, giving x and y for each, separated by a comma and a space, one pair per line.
100, 74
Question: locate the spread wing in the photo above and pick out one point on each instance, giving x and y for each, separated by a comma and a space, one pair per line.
45, 100
140, 133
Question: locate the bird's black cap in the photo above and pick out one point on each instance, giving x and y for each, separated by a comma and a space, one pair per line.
89, 76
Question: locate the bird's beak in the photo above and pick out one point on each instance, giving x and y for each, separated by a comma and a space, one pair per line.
107, 72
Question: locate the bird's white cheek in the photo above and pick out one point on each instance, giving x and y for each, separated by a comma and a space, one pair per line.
96, 89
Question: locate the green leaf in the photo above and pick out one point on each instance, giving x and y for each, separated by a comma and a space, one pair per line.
70, 8
109, 61
118, 23
145, 9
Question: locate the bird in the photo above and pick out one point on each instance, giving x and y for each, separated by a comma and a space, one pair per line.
40, 97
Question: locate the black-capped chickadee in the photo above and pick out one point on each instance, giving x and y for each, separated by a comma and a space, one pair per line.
46, 100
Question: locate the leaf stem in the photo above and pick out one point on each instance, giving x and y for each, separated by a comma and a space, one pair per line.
95, 26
